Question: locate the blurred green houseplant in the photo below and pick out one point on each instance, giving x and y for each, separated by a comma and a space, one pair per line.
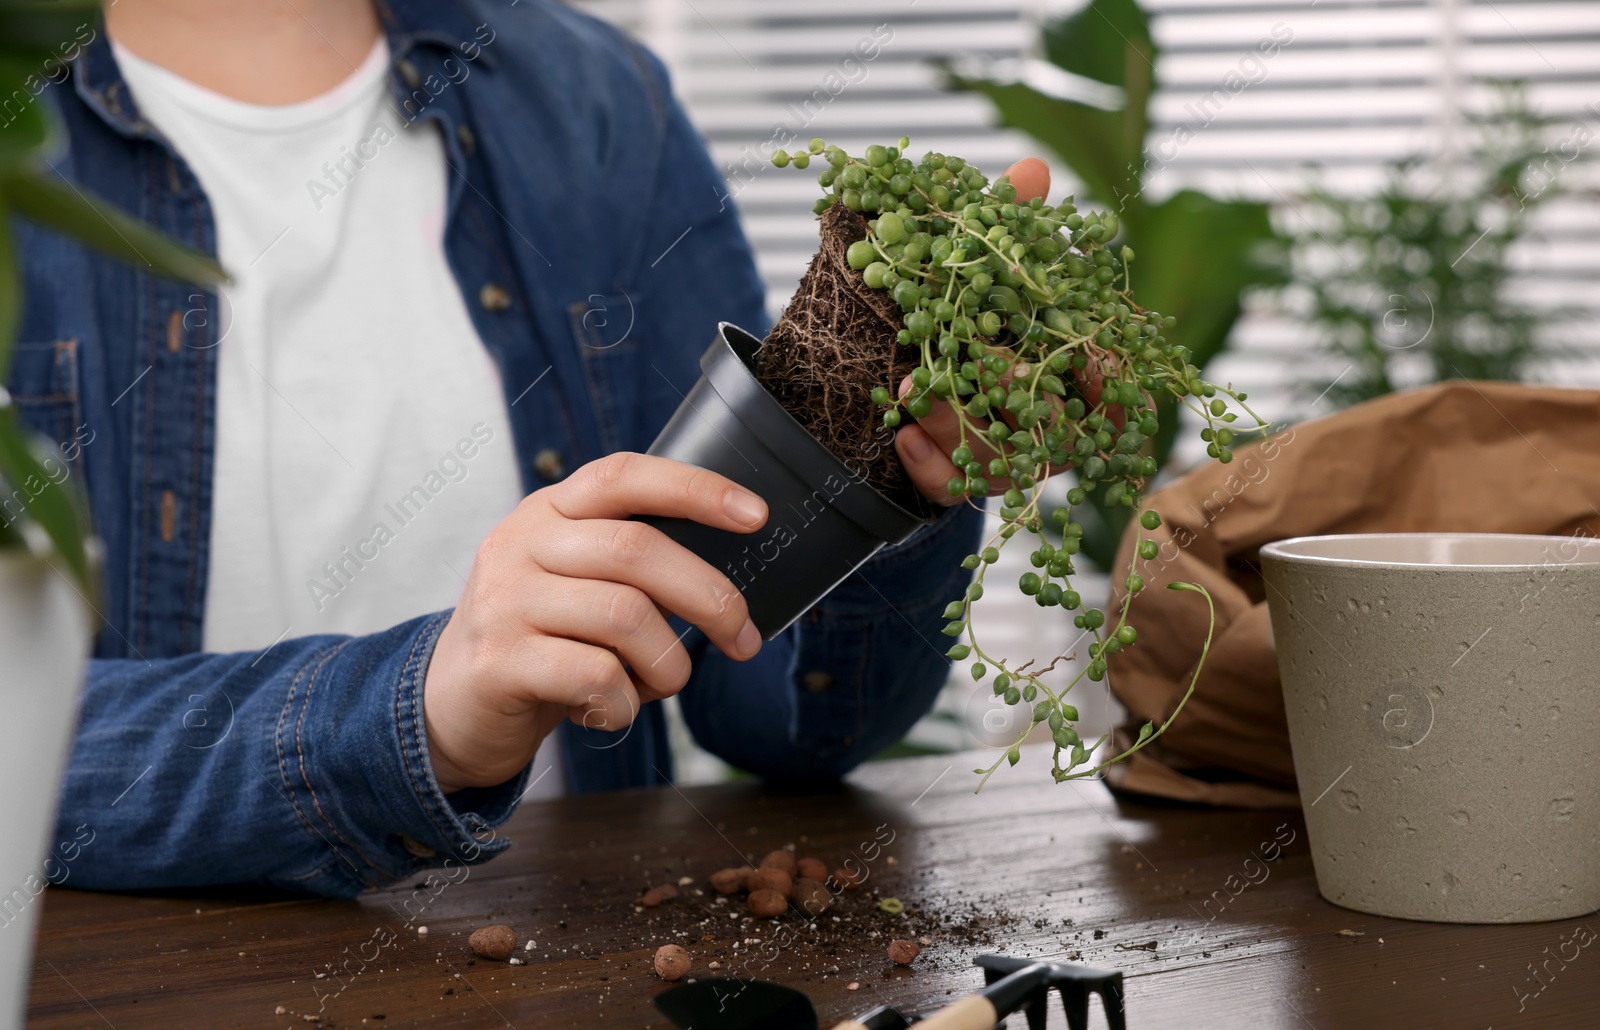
1415, 284
1197, 254
36, 37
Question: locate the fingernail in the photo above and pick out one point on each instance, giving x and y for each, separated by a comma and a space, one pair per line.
749, 641
744, 507
905, 387
917, 447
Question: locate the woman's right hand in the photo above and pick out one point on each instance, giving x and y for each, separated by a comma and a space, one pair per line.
563, 613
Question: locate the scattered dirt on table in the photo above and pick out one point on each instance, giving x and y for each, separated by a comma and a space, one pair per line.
825, 934
824, 928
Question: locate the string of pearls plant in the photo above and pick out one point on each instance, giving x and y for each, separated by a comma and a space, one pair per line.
1012, 304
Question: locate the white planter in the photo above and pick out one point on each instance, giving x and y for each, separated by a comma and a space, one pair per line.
1442, 705
44, 641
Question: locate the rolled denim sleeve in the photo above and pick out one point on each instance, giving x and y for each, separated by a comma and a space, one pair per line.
305, 767
851, 677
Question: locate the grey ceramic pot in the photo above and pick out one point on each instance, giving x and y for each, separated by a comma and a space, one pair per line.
1443, 697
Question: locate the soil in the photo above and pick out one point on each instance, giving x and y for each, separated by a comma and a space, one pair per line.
851, 935
848, 942
831, 346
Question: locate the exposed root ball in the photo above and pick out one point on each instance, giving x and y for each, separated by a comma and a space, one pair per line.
833, 344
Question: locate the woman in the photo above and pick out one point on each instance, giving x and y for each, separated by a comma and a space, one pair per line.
476, 252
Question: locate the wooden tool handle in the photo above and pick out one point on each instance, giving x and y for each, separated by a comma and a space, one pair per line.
971, 1013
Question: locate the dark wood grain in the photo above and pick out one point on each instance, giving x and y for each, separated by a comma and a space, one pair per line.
1055, 870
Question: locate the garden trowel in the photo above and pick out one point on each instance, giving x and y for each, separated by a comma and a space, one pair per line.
1014, 985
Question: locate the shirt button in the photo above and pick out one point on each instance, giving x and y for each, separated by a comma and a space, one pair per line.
549, 465
416, 847
817, 681
469, 141
494, 297
408, 73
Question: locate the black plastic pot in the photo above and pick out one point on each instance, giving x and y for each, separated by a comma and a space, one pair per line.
824, 522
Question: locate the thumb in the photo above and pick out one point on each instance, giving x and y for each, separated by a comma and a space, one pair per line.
1031, 177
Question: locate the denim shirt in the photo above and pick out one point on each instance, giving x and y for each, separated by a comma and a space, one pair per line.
589, 233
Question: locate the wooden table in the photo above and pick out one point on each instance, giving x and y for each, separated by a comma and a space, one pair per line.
1050, 871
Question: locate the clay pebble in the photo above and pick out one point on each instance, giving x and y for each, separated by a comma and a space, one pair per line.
672, 962
493, 942
903, 953
767, 903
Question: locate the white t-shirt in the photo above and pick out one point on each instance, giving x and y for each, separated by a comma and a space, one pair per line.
363, 448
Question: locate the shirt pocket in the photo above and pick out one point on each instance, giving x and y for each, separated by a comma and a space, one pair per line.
44, 389
603, 327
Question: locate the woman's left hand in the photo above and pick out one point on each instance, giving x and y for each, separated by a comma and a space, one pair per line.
925, 446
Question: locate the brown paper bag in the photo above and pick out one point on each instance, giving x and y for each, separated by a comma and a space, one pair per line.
1460, 456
